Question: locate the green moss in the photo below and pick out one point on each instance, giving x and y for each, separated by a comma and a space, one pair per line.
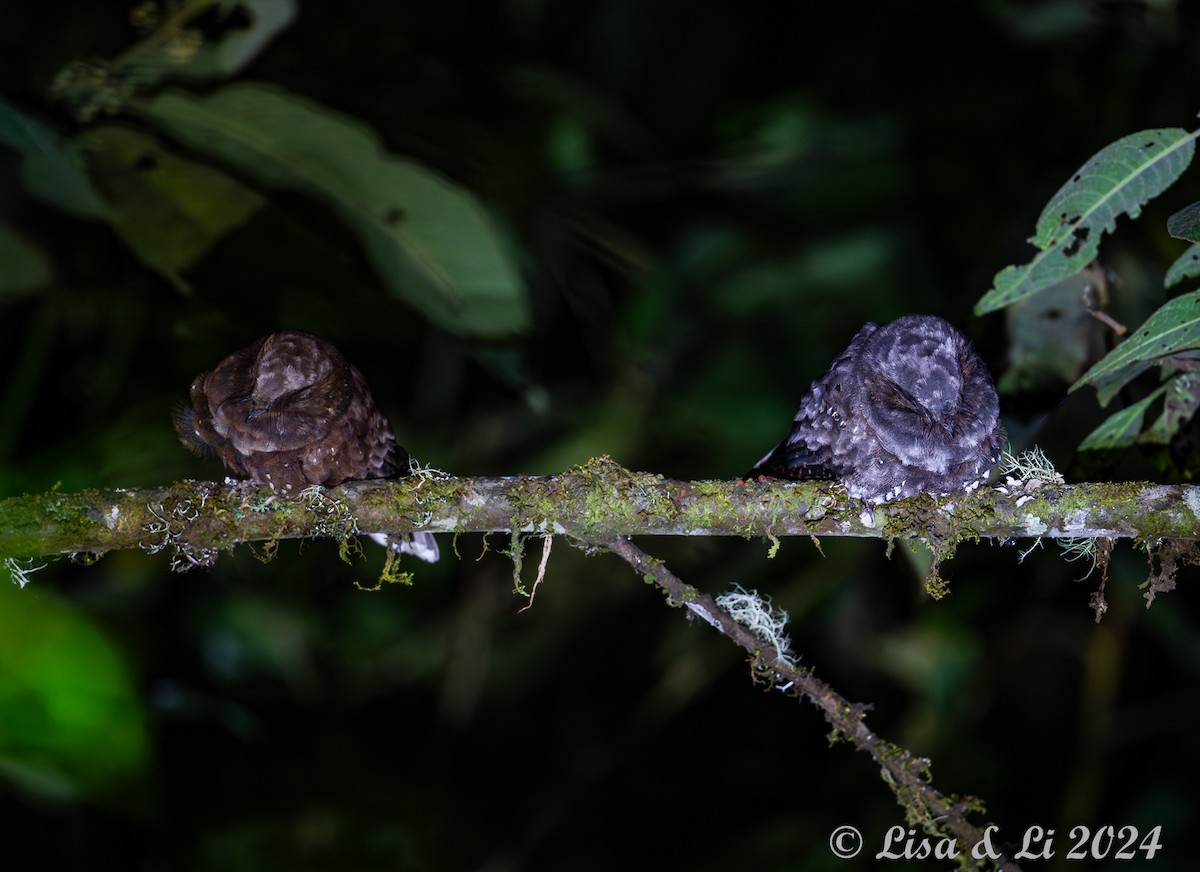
516, 551
335, 520
390, 574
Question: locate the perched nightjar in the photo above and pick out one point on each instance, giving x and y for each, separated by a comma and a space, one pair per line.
908, 408
290, 411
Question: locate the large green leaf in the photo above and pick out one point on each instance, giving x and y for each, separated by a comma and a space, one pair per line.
1173, 328
431, 241
1120, 428
168, 209
52, 166
1117, 181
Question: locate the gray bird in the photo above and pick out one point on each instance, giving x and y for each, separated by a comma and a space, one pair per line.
290, 411
907, 408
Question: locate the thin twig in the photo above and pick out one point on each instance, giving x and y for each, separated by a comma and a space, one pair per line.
906, 774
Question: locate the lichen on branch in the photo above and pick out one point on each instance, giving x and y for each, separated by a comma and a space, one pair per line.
591, 503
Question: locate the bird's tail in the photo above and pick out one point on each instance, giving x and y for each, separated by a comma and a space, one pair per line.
421, 545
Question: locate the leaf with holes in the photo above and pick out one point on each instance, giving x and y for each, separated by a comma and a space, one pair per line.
1186, 266
1121, 428
169, 210
430, 240
1183, 399
195, 41
1173, 328
1118, 180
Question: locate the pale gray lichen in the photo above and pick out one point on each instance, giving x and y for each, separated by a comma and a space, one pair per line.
1191, 498
20, 570
167, 528
1026, 474
1030, 467
757, 614
1032, 525
1079, 549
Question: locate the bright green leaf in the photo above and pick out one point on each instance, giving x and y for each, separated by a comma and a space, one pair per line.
72, 721
53, 167
1173, 328
1121, 428
169, 210
431, 241
1118, 180
1186, 266
1185, 224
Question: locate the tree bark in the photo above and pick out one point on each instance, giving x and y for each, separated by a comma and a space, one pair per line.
592, 503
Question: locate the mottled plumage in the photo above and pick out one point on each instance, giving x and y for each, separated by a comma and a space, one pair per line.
290, 411
907, 408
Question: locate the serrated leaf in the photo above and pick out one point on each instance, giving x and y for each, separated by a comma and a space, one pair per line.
169, 210
1183, 398
430, 240
1174, 327
1118, 180
1186, 266
1185, 224
1121, 428
52, 167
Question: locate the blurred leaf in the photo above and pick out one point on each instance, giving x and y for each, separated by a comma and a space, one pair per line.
1118, 180
1185, 224
169, 210
251, 24
197, 41
431, 241
23, 266
844, 262
53, 168
1183, 398
1121, 428
1051, 335
71, 719
1186, 266
1174, 327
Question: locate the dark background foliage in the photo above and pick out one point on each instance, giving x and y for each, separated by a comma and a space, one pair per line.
706, 201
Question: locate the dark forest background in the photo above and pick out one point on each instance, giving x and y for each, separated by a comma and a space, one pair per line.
704, 203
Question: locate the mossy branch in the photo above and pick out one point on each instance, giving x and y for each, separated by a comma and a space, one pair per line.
601, 504
592, 503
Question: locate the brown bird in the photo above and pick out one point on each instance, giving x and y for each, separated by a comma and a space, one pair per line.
290, 411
